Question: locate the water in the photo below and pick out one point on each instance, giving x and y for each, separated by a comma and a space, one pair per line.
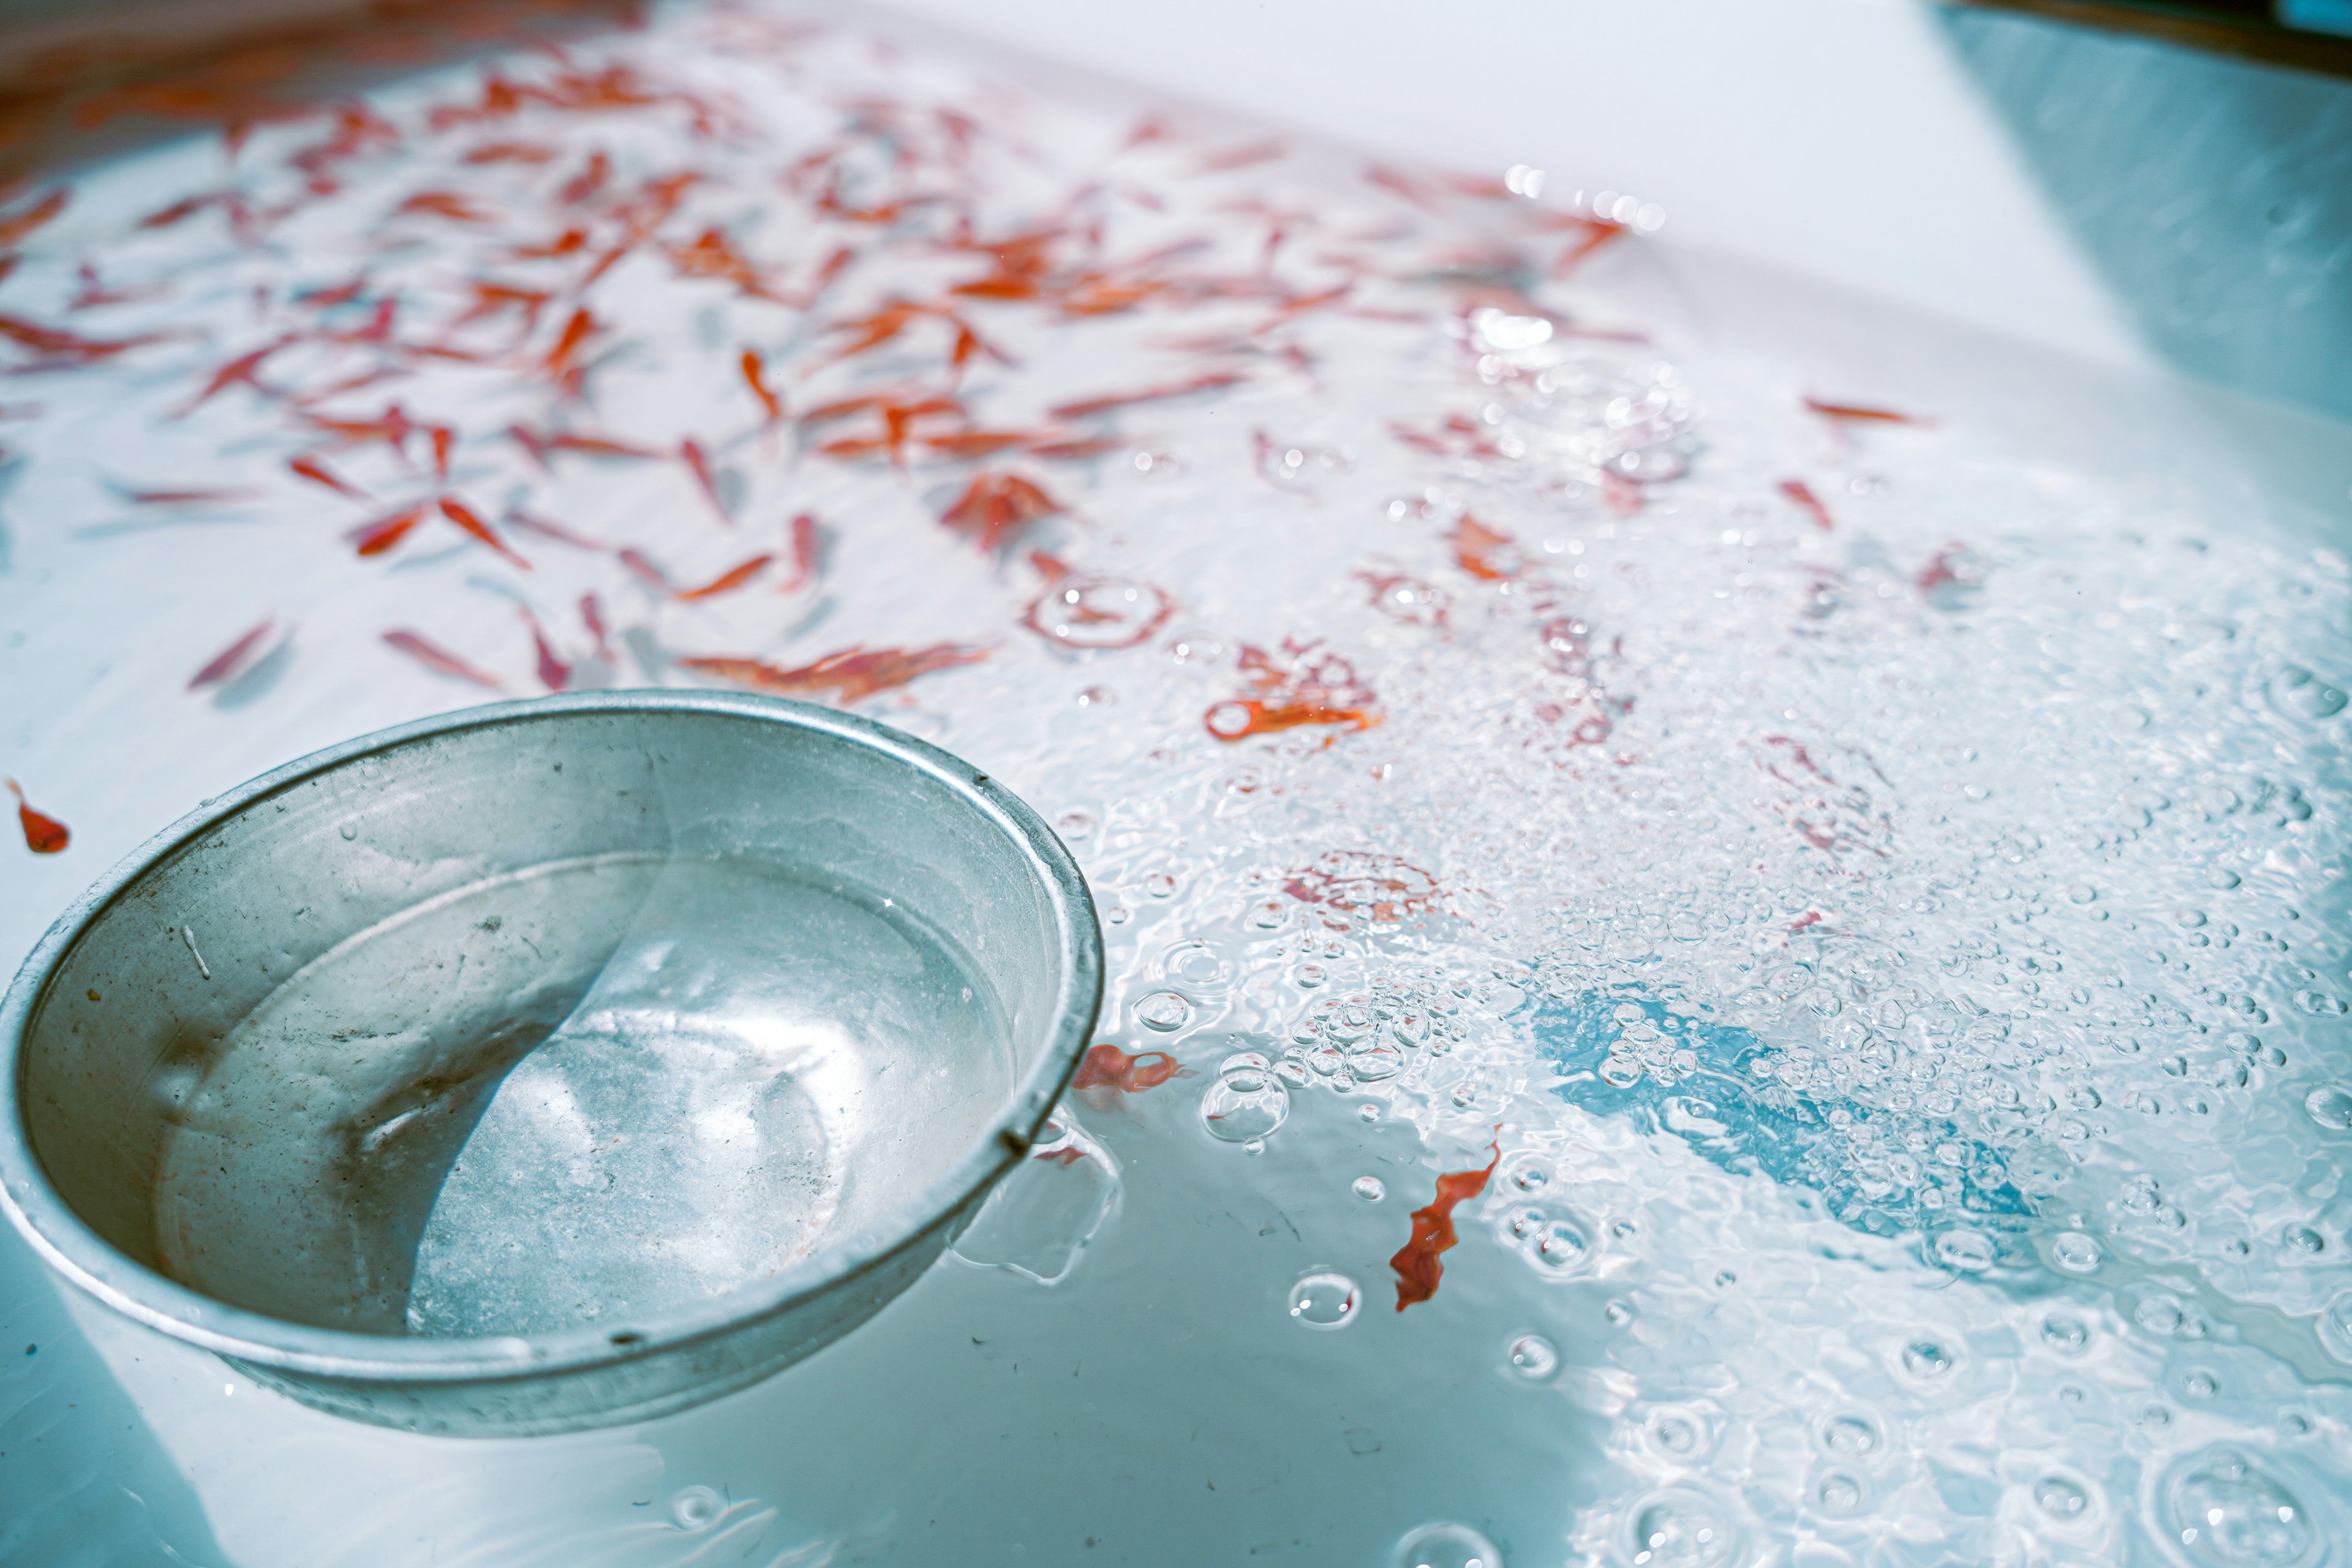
1896, 966
585, 1091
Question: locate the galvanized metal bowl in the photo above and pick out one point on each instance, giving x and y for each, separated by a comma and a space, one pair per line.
547, 1065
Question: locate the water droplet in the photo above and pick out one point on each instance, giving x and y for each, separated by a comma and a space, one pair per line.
2083, 893
1444, 1545
1618, 1313
2200, 1386
1970, 1251
1269, 913
1925, 1358
2304, 1240
697, 1508
2159, 1314
1159, 885
2322, 1003
2330, 1105
1248, 1101
349, 830
1369, 1189
1533, 1357
2075, 1252
2066, 1335
1680, 1529
1840, 1493
1369, 1064
1529, 1178
1163, 1011
2227, 1512
2061, 1498
1310, 974
1850, 1435
1074, 826
1324, 1300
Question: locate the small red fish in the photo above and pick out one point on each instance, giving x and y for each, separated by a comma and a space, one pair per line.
1801, 493
439, 659
539, 444
246, 368
850, 675
592, 615
511, 153
1088, 407
318, 473
44, 833
547, 529
230, 660
755, 376
554, 673
1107, 1067
190, 497
444, 203
1486, 554
996, 506
16, 226
375, 538
70, 346
1239, 718
1416, 1263
807, 553
643, 567
563, 362
443, 439
1855, 411
465, 518
698, 463
730, 580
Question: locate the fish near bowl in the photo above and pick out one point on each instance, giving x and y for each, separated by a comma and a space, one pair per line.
547, 1065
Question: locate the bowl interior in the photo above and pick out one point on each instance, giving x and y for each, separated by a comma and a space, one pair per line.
560, 1020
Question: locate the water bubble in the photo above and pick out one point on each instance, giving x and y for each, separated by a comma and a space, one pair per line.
1196, 964
1850, 1435
2066, 1335
2075, 1252
1529, 1178
2060, 1497
2225, 1510
1971, 1251
1163, 1011
1619, 1313
2302, 1239
1840, 1492
2200, 1386
1247, 1101
2330, 1105
1532, 1357
1087, 611
1675, 1433
1292, 1071
1369, 1189
2322, 1003
2299, 694
1311, 975
1324, 1300
2334, 1327
1369, 1064
696, 1508
1269, 913
1680, 1529
1927, 1359
349, 831
1411, 1029
1159, 885
2159, 1314
1559, 1247
1445, 1545
1074, 826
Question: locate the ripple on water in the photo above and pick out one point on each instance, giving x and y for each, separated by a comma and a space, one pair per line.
1679, 1528
1323, 1299
1447, 1545
2226, 1510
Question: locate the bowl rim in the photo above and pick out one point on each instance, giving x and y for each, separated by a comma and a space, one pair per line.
68, 1244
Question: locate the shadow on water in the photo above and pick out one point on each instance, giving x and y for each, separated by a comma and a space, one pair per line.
82, 1478
2214, 195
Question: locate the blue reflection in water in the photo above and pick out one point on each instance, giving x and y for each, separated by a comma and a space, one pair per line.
1727, 1101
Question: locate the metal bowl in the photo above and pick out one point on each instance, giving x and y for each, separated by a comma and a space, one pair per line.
547, 1065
